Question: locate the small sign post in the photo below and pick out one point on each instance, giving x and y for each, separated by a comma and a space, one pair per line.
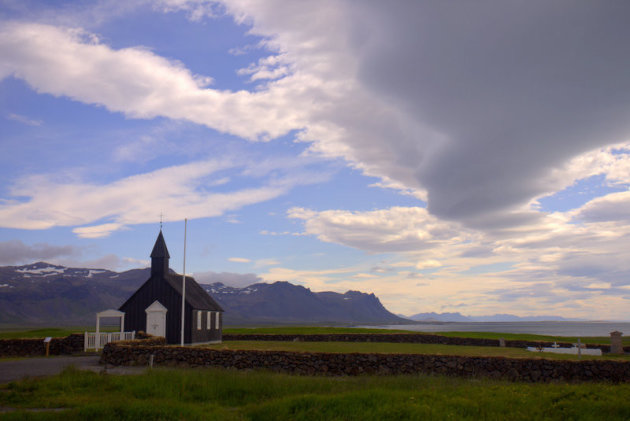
47, 342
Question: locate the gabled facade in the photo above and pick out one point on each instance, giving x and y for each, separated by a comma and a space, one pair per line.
156, 307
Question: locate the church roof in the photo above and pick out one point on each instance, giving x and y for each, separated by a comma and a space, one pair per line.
159, 249
196, 296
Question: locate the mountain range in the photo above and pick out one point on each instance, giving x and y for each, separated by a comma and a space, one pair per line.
283, 302
458, 317
42, 293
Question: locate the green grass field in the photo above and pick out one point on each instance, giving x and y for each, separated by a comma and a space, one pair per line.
54, 332
309, 330
305, 330
530, 337
214, 394
8, 333
400, 348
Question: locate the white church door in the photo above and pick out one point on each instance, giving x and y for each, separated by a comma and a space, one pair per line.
156, 319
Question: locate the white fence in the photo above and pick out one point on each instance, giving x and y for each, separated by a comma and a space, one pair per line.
97, 340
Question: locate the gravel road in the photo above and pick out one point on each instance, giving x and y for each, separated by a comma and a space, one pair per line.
11, 370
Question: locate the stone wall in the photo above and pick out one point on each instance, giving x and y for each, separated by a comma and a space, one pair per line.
529, 370
420, 338
146, 340
30, 347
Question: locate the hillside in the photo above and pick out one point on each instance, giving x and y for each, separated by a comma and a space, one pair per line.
45, 294
42, 293
283, 302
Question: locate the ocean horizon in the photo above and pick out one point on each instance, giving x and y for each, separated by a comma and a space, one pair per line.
549, 328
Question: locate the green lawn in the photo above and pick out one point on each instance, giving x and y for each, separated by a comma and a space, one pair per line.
305, 330
215, 394
49, 331
531, 337
40, 333
8, 333
399, 348
310, 330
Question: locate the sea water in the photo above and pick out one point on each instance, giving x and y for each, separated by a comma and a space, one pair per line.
576, 329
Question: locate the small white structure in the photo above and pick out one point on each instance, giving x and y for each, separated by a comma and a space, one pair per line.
97, 340
156, 319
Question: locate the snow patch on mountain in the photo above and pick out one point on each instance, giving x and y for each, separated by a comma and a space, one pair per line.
45, 271
91, 272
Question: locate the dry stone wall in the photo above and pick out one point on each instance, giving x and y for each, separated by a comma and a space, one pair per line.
306, 363
31, 347
419, 338
147, 340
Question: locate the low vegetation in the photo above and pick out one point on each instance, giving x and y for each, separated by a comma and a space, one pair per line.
206, 394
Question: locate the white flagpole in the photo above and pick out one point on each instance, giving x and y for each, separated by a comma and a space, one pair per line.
184, 283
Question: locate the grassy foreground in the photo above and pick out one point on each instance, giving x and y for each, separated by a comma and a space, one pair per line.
214, 394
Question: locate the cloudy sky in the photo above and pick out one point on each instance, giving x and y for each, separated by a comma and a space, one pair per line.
450, 156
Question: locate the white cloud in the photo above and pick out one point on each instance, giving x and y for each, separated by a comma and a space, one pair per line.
428, 264
109, 262
553, 265
238, 280
14, 252
614, 207
398, 229
143, 263
178, 192
96, 231
239, 260
266, 262
135, 81
478, 117
474, 122
319, 280
24, 120
196, 10
457, 120
274, 233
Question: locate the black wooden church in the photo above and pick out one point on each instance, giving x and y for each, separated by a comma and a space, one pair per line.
156, 307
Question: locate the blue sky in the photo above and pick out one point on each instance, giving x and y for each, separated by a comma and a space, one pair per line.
445, 156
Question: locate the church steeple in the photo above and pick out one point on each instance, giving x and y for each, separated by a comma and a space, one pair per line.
159, 257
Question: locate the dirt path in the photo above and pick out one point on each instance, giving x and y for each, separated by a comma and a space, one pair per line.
11, 370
